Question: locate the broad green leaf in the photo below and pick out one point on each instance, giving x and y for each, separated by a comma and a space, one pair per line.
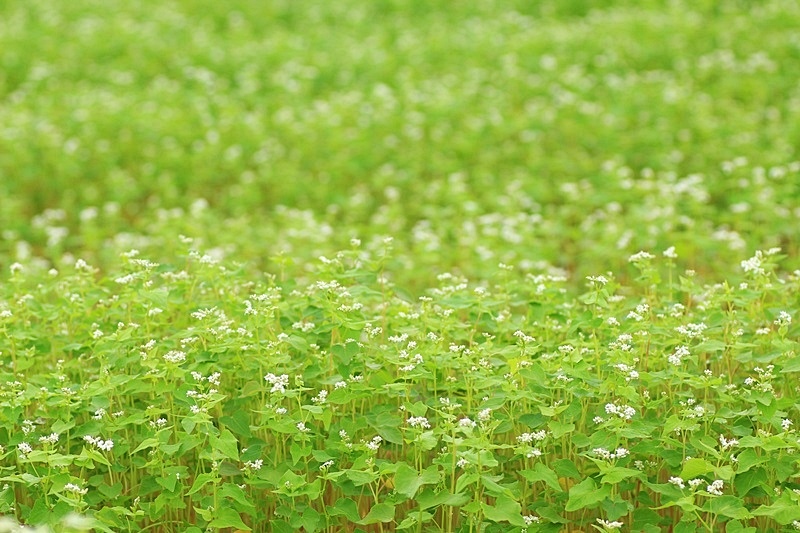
200, 481
382, 512
586, 495
616, 474
784, 510
227, 517
345, 507
696, 467
541, 472
505, 509
226, 444
407, 481
747, 481
729, 506
238, 423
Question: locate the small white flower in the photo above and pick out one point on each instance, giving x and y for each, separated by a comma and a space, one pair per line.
175, 357
71, 487
467, 422
726, 444
677, 481
254, 465
49, 439
784, 319
640, 257
419, 422
609, 525
531, 519
715, 488
786, 424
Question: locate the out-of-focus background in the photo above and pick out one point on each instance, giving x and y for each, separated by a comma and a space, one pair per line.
562, 133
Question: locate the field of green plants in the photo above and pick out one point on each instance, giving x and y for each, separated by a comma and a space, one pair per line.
400, 266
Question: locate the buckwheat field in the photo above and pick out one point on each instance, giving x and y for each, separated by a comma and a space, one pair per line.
400, 265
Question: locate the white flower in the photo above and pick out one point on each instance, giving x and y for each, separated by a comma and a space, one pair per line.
784, 319
279, 383
419, 422
609, 525
467, 423
49, 439
321, 397
531, 519
786, 424
24, 448
677, 481
640, 257
301, 427
725, 444
715, 488
753, 265
75, 488
374, 444
175, 357
599, 280
254, 465
670, 253
105, 445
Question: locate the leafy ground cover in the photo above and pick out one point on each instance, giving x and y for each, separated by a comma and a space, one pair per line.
384, 266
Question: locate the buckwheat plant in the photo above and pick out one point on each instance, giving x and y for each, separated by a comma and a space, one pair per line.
461, 267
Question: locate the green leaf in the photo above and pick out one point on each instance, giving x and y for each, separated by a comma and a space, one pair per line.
232, 491
696, 467
566, 468
685, 527
747, 460
783, 510
586, 495
347, 508
238, 423
382, 512
747, 481
541, 472
734, 526
407, 481
617, 473
227, 517
729, 506
226, 444
505, 509
168, 482
39, 513
310, 520
559, 429
201, 481
147, 443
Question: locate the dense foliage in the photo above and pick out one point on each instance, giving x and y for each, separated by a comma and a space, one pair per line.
490, 266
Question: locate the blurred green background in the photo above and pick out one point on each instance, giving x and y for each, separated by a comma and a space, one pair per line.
563, 133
